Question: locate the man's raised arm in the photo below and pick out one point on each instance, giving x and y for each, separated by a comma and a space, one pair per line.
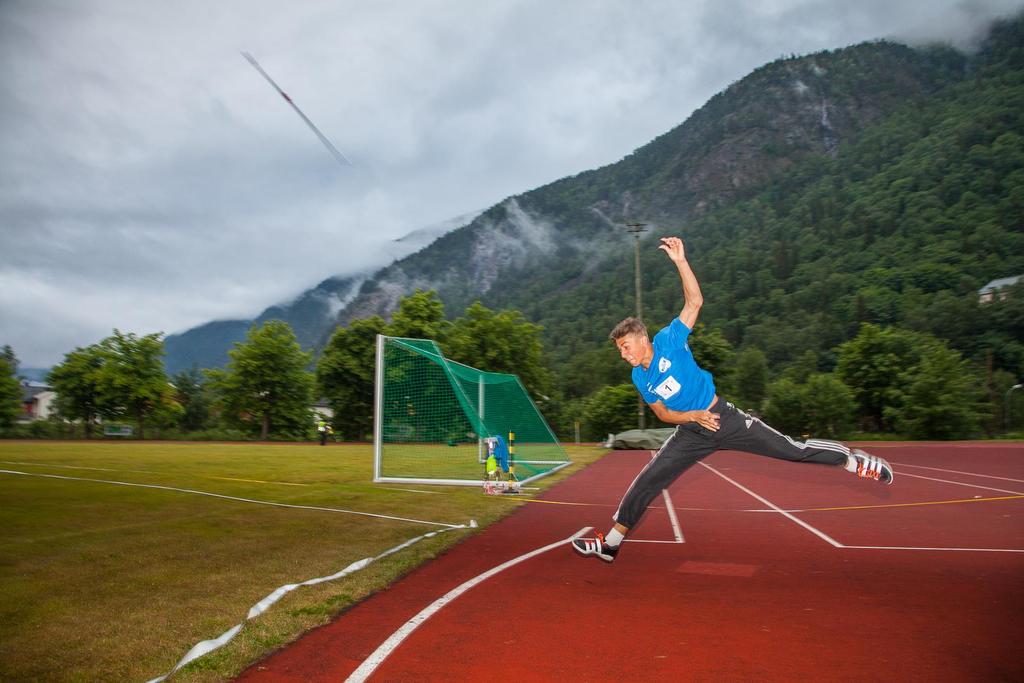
673, 246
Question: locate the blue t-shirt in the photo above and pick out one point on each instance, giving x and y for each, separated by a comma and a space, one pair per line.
673, 376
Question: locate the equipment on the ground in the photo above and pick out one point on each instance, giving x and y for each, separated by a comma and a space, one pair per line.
440, 422
500, 467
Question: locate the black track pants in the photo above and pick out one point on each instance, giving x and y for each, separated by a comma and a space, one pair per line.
691, 443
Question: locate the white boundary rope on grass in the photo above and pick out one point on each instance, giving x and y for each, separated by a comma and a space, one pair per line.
236, 498
207, 646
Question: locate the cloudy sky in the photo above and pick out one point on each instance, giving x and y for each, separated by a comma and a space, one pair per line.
152, 181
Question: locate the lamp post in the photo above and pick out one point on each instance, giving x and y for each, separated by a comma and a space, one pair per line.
1006, 405
638, 229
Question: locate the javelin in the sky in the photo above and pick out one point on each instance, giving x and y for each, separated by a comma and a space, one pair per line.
341, 158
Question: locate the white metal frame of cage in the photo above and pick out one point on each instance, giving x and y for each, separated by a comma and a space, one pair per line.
378, 441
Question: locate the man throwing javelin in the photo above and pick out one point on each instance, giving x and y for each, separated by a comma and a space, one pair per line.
681, 393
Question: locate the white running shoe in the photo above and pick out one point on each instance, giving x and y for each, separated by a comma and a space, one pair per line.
596, 547
872, 466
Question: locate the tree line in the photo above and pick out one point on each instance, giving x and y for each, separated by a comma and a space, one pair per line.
269, 385
885, 380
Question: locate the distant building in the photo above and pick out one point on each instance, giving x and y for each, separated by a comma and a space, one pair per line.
990, 291
36, 401
322, 410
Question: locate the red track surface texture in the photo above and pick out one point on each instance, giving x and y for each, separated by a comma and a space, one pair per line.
751, 595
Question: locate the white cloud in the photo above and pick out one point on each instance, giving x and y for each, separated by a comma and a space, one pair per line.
153, 181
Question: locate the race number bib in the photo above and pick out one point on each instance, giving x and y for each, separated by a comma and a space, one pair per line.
667, 389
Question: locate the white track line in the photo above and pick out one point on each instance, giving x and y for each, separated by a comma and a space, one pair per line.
242, 500
75, 467
972, 474
676, 530
206, 646
820, 534
378, 656
672, 517
107, 469
961, 483
837, 544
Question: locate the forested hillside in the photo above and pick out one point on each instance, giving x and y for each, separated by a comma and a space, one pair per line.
901, 226
767, 123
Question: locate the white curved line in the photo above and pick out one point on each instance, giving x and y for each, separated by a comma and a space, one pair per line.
378, 656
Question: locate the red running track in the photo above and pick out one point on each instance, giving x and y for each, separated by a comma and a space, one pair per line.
750, 595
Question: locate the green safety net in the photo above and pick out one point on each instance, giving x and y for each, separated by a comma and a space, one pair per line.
434, 413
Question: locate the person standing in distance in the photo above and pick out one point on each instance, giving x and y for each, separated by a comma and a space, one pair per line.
681, 393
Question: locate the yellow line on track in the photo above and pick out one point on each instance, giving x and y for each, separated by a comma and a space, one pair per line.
553, 502
846, 507
905, 505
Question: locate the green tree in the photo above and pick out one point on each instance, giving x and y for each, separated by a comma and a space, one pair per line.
10, 393
828, 409
873, 364
193, 398
345, 376
7, 353
821, 407
784, 407
265, 387
608, 410
712, 351
940, 398
131, 380
420, 315
76, 383
801, 369
583, 373
500, 342
750, 378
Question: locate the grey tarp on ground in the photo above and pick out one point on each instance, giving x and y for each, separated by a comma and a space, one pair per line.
634, 439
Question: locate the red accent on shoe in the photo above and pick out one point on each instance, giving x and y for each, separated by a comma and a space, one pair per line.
863, 471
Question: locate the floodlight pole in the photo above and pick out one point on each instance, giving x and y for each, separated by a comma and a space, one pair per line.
638, 229
1006, 405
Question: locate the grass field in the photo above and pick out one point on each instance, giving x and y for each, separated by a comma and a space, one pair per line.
108, 582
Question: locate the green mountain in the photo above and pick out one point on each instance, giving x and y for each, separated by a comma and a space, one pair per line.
875, 183
207, 345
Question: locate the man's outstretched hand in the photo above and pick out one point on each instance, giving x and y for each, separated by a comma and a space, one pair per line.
673, 246
707, 419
